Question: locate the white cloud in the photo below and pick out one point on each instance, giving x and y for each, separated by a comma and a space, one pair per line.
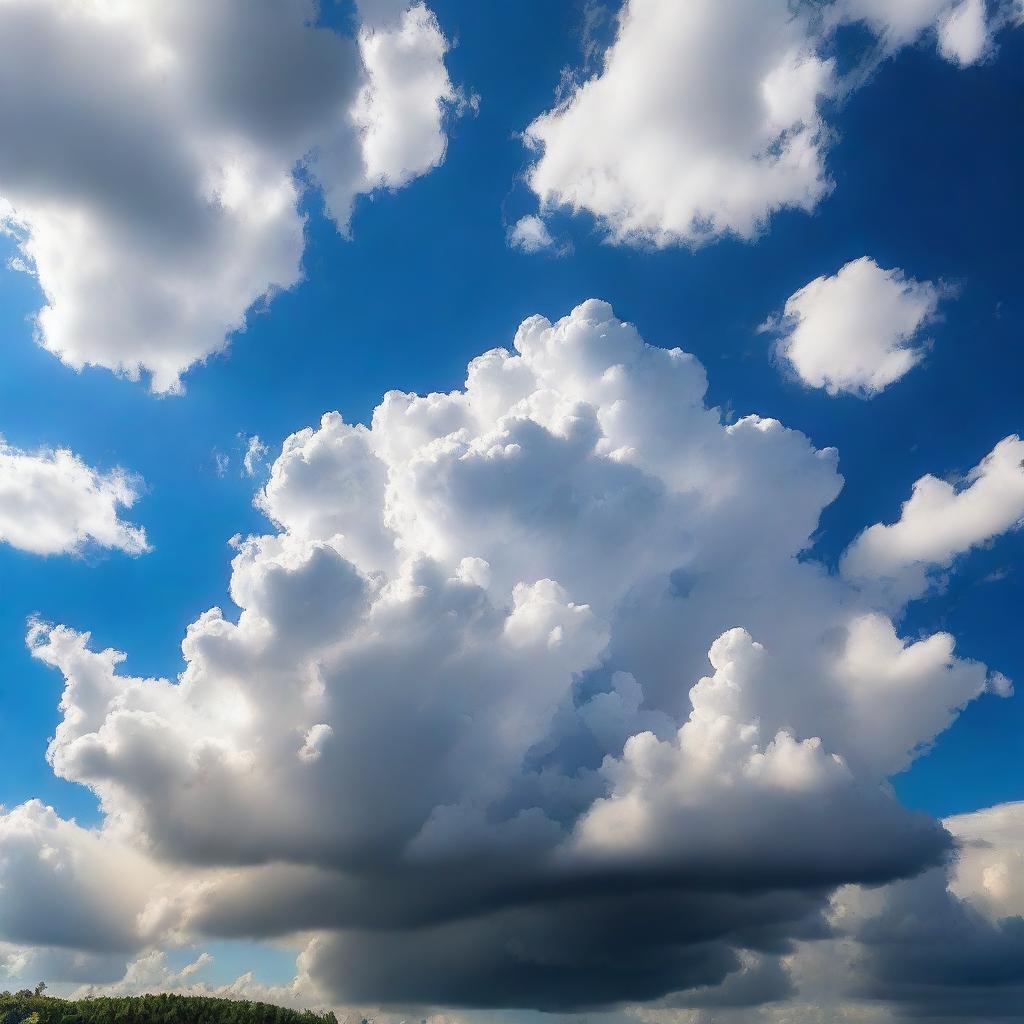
705, 118
703, 121
53, 503
464, 719
964, 33
858, 331
254, 459
940, 521
147, 157
963, 29
67, 886
530, 234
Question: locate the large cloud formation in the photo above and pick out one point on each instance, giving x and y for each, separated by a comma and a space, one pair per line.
535, 699
147, 153
706, 117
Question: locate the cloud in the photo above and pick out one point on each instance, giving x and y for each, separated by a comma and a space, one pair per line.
948, 945
989, 872
964, 34
65, 886
53, 503
254, 460
148, 151
941, 521
463, 735
858, 331
706, 118
530, 234
942, 947
963, 29
703, 121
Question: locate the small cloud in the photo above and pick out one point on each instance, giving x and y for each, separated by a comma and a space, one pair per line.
858, 331
466, 103
530, 234
255, 459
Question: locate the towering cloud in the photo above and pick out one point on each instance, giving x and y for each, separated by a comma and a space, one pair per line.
535, 699
148, 151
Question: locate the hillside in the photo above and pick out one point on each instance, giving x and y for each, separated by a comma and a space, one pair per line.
158, 1009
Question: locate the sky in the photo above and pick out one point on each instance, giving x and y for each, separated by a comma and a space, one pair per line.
664, 672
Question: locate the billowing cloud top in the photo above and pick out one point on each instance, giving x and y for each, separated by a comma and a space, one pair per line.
147, 153
535, 699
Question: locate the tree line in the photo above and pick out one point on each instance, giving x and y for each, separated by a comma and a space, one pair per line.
28, 1007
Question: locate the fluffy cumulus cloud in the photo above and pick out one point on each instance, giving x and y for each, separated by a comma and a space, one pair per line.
705, 118
52, 503
535, 699
148, 151
858, 331
703, 121
530, 234
940, 521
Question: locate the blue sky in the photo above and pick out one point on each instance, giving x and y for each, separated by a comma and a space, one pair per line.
926, 162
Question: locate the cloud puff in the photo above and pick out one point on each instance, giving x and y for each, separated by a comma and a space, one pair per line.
858, 331
703, 121
463, 731
940, 521
53, 503
963, 29
147, 154
705, 118
66, 886
530, 234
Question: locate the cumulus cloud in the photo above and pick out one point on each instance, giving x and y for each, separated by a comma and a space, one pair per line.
66, 886
530, 234
53, 503
463, 734
940, 521
858, 331
703, 121
706, 117
147, 154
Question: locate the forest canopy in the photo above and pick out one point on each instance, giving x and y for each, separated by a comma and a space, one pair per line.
35, 1008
